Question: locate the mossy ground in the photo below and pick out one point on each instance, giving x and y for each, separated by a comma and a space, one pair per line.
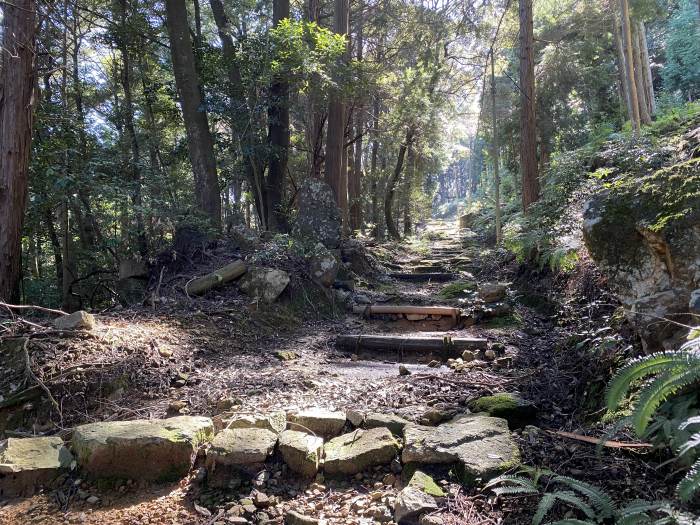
457, 290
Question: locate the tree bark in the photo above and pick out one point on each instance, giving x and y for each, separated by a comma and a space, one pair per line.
640, 77
391, 187
646, 68
278, 119
622, 68
199, 140
629, 66
17, 79
335, 141
408, 188
374, 157
355, 182
528, 133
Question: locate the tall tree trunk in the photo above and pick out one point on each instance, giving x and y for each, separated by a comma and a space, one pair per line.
278, 118
528, 133
17, 79
495, 147
130, 127
640, 77
199, 140
355, 182
374, 175
240, 114
646, 62
391, 187
408, 189
55, 245
629, 66
315, 113
622, 68
335, 142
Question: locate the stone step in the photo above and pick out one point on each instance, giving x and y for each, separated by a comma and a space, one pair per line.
26, 464
424, 277
152, 450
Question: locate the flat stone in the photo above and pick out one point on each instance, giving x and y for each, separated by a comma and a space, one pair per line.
28, 463
294, 518
275, 422
411, 503
481, 446
154, 450
426, 483
391, 421
324, 423
356, 417
79, 320
237, 451
358, 450
241, 446
301, 452
511, 407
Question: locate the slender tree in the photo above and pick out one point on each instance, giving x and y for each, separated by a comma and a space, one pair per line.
494, 149
528, 132
278, 137
629, 66
335, 141
199, 140
17, 79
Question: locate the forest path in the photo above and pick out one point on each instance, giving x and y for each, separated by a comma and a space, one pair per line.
247, 373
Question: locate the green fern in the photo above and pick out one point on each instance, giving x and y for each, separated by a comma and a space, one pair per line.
594, 503
673, 372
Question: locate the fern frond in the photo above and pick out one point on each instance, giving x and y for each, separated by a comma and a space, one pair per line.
643, 367
693, 442
635, 512
655, 393
695, 420
545, 505
518, 481
513, 491
601, 501
575, 500
690, 484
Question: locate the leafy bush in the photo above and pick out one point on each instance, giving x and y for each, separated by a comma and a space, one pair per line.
668, 374
595, 504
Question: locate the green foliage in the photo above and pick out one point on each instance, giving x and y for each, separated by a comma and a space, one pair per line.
667, 375
579, 496
682, 69
457, 289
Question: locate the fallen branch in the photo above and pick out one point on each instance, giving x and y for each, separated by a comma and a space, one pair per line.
223, 275
32, 307
597, 441
28, 361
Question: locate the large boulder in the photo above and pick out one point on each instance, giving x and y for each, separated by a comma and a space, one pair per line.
319, 218
481, 446
319, 421
359, 450
153, 450
492, 292
645, 236
301, 452
264, 284
28, 463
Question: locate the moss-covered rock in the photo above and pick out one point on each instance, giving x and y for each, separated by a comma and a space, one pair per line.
153, 450
359, 450
26, 464
511, 407
644, 232
457, 290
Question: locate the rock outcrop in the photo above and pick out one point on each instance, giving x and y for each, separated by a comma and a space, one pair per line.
644, 233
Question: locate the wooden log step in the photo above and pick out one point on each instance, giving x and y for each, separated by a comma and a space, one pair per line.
446, 344
379, 309
422, 277
432, 268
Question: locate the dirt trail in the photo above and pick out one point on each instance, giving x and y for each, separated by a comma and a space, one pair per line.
227, 368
